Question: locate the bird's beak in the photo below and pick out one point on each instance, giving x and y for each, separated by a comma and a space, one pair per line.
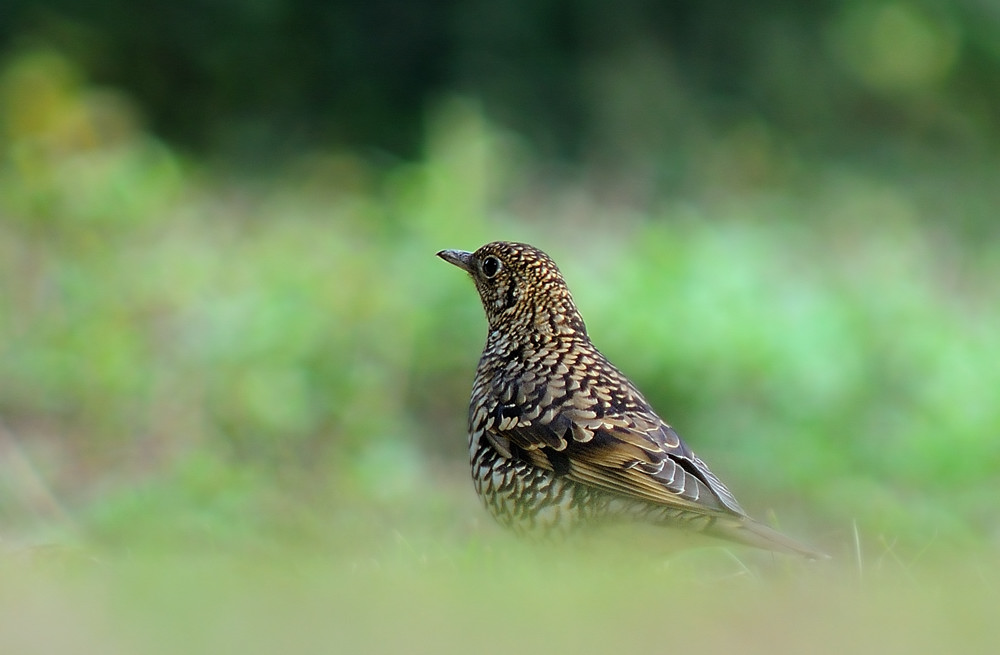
459, 258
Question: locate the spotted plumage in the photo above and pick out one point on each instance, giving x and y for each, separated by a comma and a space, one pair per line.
558, 436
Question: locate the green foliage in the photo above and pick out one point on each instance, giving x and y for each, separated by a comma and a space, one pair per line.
638, 83
186, 358
233, 408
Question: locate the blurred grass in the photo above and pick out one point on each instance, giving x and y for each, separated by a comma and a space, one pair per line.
491, 601
273, 373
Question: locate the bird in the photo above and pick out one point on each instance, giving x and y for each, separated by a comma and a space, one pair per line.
559, 437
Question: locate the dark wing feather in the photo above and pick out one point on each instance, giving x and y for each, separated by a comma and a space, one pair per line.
636, 455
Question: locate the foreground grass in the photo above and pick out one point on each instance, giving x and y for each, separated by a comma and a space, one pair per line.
257, 571
490, 596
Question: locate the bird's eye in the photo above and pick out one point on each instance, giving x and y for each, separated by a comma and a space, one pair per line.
490, 266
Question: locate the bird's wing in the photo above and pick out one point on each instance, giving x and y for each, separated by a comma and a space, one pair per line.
634, 454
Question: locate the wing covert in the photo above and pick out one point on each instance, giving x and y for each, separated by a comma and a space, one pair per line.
637, 456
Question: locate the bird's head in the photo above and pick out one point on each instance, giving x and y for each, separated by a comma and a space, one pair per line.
521, 288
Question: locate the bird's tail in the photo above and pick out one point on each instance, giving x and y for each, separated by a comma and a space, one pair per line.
754, 533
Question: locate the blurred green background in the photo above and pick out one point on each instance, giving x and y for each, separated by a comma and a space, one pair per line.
223, 328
